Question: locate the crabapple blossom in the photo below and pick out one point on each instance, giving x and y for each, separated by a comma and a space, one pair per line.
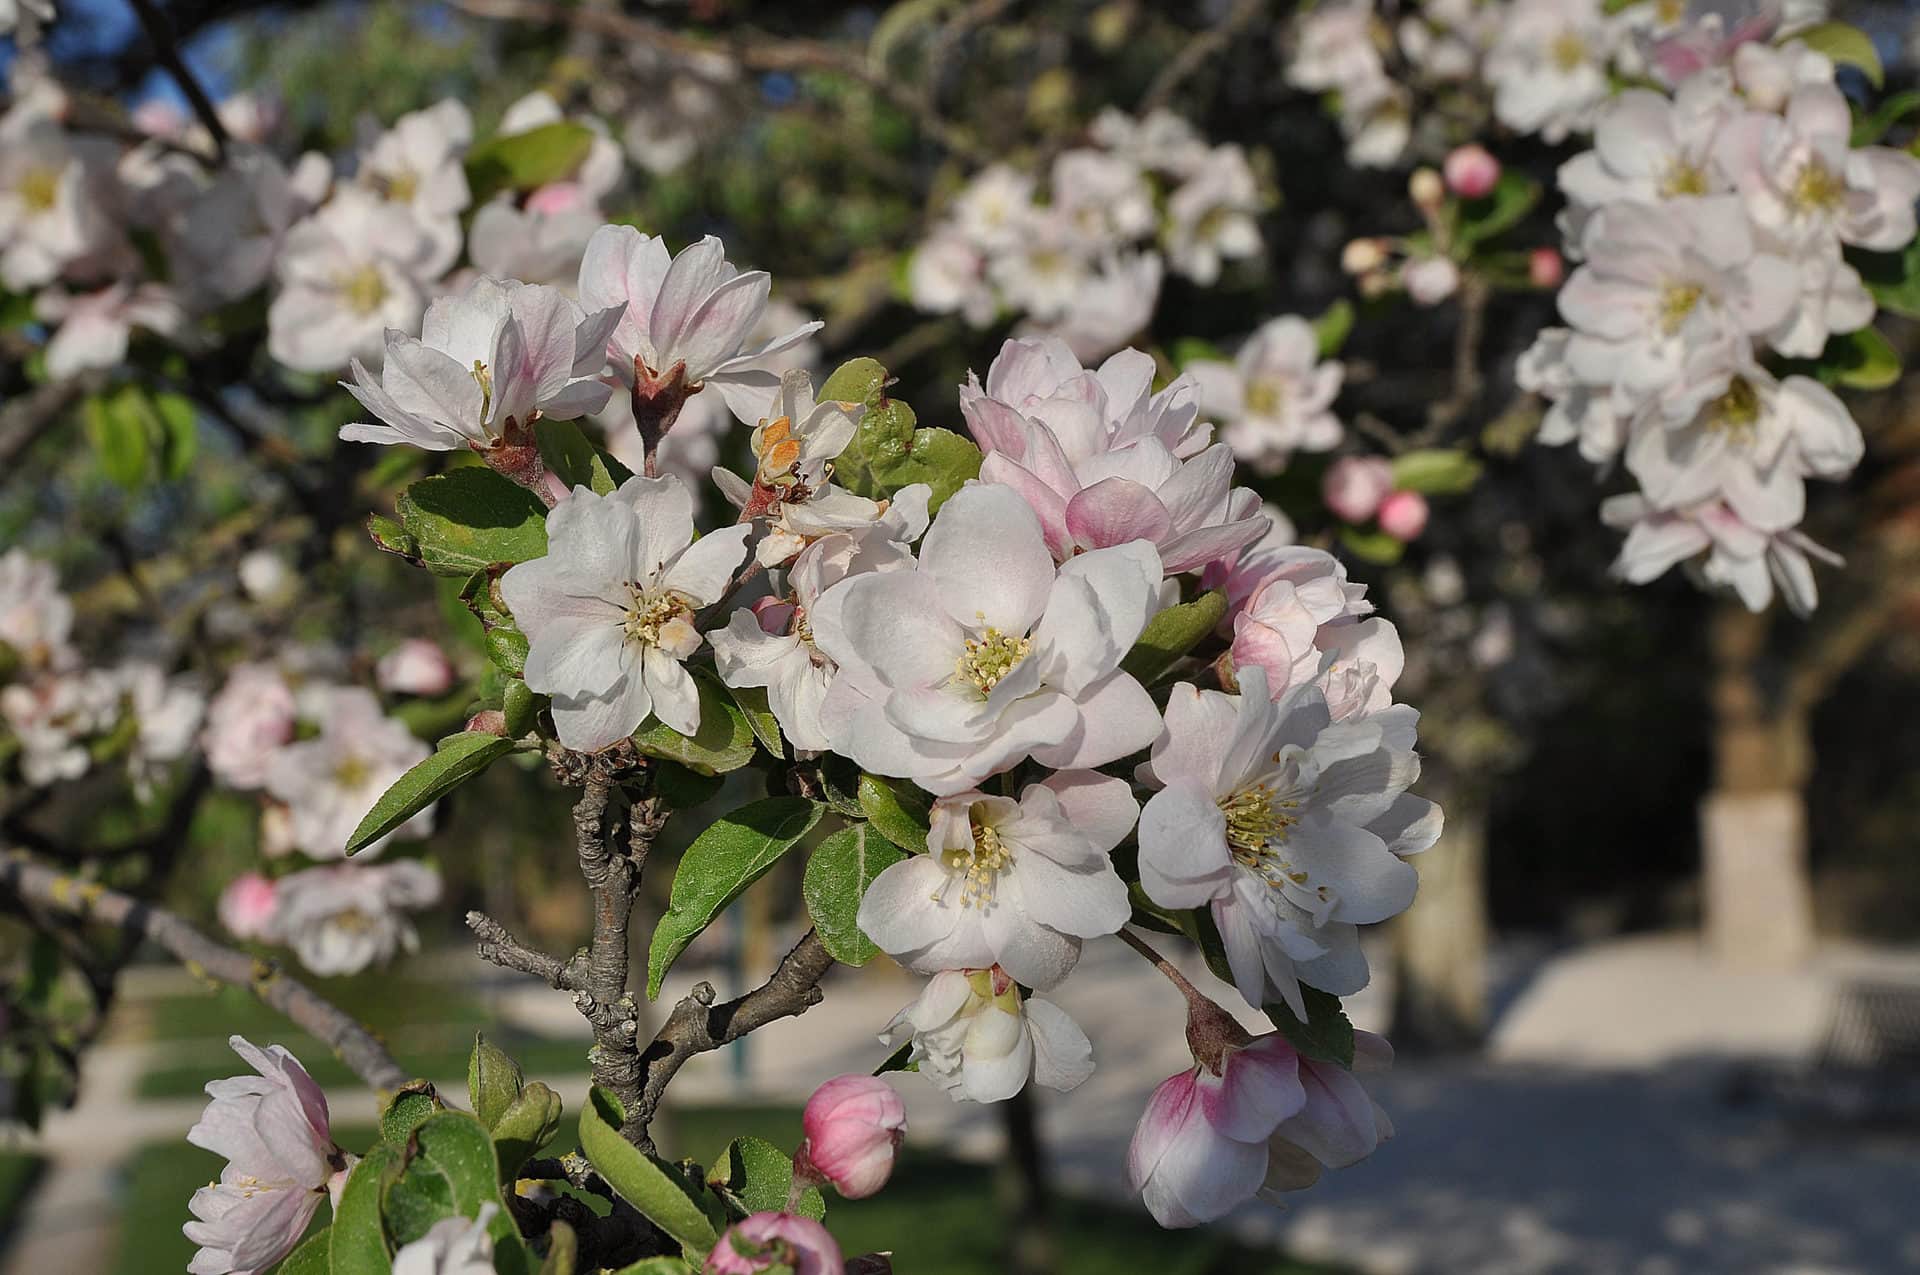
772, 645
776, 1242
1338, 1125
1210, 216
1745, 559
540, 238
246, 906
1548, 65
854, 1125
355, 268
1014, 884
985, 653
166, 712
228, 234
52, 213
274, 1132
1114, 303
1276, 396
329, 783
1403, 515
1158, 141
1104, 196
608, 612
694, 311
340, 918
1648, 147
417, 166
416, 667
1306, 622
948, 276
36, 618
1292, 827
793, 446
451, 1246
1354, 486
978, 1039
251, 718
96, 327
1200, 1148
54, 716
1545, 268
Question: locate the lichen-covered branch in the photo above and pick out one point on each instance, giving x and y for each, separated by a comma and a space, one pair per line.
54, 891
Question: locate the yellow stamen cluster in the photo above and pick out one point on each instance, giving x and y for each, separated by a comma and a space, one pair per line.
979, 865
651, 610
989, 658
402, 186
1682, 178
1676, 303
351, 772
1736, 412
363, 289
1266, 396
1568, 50
1818, 189
1252, 821
40, 189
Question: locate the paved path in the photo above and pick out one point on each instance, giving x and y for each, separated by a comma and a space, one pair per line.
1595, 1139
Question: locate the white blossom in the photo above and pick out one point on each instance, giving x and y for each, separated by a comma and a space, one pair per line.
348, 273
419, 165
1276, 396
251, 718
975, 1036
36, 618
329, 782
794, 445
451, 1246
341, 918
96, 327
1210, 217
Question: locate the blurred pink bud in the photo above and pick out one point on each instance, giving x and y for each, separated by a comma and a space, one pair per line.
1431, 280
556, 198
767, 1240
854, 1125
1472, 172
1355, 486
488, 721
246, 906
1426, 189
1546, 268
416, 667
1403, 515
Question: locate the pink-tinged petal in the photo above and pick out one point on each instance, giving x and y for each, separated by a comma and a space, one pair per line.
1171, 1108
1193, 746
1083, 904
1191, 550
1032, 954
1117, 717
994, 425
1336, 1125
1205, 1173
580, 398
1114, 511
990, 559
1048, 505
1259, 1088
721, 324
1099, 806
591, 337
1411, 825
690, 279
891, 622
1183, 848
1099, 603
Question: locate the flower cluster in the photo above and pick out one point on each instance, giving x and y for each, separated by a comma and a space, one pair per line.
1147, 195
1711, 226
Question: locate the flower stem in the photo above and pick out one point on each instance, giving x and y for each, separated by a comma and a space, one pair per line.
1162, 964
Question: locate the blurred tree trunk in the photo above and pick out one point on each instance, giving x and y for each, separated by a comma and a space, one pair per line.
1025, 1198
1440, 944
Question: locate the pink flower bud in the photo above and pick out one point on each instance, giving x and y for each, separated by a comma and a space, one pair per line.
766, 1240
854, 1125
557, 197
1546, 268
1355, 486
488, 721
1403, 515
416, 667
1471, 171
246, 905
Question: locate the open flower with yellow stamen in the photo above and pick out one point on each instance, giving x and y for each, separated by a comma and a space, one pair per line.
356, 268
1292, 827
1015, 883
793, 446
985, 653
975, 1036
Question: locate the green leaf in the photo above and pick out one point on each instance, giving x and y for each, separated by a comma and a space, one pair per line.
179, 438
576, 461
408, 1111
1326, 1035
494, 1080
519, 705
1438, 471
1893, 278
1500, 210
1847, 46
752, 701
390, 537
459, 758
684, 789
1333, 327
523, 161
1870, 129
1193, 349
311, 1258
470, 518
1372, 546
754, 1176
900, 1059
1173, 633
527, 1125
359, 1245
658, 1266
838, 874
118, 430
897, 810
664, 1197
1862, 360
887, 451
722, 861
723, 742
563, 1250
450, 1171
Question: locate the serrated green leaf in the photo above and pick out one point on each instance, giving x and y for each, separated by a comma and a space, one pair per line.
1437, 471
655, 1188
1333, 327
1372, 546
390, 537
1847, 46
494, 1080
572, 458
469, 518
1511, 199
754, 1176
1327, 1034
1862, 360
838, 874
887, 451
359, 1244
897, 810
458, 758
728, 857
407, 1111
524, 161
723, 742
1172, 633
311, 1258
450, 1170
752, 700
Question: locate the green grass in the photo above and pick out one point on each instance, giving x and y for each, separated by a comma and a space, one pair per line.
18, 1172
938, 1215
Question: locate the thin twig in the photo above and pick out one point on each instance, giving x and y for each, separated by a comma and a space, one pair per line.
40, 885
698, 1025
167, 49
498, 946
1194, 56
1467, 382
1159, 962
